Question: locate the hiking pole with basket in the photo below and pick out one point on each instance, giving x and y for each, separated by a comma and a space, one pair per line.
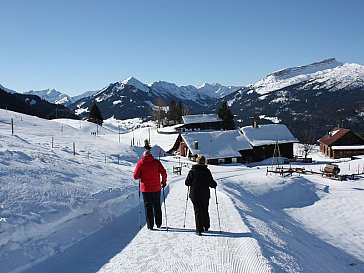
140, 226
217, 207
188, 191
165, 209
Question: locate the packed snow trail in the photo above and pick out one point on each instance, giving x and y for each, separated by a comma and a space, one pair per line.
121, 247
180, 250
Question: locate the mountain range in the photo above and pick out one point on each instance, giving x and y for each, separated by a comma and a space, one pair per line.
33, 105
131, 98
56, 97
309, 99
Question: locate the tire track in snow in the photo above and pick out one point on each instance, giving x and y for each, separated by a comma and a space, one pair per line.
180, 250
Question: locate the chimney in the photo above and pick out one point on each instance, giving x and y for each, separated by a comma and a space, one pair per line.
196, 145
255, 123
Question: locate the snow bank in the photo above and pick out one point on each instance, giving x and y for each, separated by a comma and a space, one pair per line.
50, 197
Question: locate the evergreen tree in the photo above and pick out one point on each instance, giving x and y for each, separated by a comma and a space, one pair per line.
179, 112
227, 116
172, 113
95, 115
176, 111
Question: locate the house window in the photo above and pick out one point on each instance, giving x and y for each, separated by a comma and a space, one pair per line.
234, 160
221, 161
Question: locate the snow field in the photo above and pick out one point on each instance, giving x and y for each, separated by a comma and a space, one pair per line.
288, 241
61, 212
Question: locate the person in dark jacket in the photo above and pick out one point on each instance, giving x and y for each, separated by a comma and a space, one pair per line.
150, 170
200, 180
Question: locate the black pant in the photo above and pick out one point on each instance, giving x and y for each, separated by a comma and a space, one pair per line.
152, 206
202, 218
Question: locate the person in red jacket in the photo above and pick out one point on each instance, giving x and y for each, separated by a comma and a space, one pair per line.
150, 170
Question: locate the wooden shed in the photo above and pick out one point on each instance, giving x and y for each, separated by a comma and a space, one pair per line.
341, 143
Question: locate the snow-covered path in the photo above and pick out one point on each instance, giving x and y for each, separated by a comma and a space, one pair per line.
180, 250
121, 247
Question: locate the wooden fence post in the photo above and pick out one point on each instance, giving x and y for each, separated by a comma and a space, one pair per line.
12, 126
74, 148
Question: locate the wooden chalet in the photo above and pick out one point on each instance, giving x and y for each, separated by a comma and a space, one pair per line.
201, 122
341, 143
269, 140
217, 146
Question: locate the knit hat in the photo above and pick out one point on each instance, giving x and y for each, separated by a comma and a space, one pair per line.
201, 160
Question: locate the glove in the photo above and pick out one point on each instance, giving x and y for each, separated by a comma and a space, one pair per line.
163, 184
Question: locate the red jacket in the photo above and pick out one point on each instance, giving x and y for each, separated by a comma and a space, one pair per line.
149, 171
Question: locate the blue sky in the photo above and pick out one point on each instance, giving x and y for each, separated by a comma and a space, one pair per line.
80, 45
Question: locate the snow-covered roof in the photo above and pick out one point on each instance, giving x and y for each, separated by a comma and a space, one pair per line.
268, 134
202, 118
170, 129
351, 147
217, 144
334, 136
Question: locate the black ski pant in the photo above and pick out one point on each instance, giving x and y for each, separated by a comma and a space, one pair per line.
202, 218
153, 210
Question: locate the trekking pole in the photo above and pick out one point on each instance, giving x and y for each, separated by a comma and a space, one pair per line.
184, 222
140, 226
165, 209
217, 207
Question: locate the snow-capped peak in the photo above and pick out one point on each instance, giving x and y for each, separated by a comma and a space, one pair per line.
51, 95
294, 75
136, 83
165, 88
7, 89
306, 69
217, 90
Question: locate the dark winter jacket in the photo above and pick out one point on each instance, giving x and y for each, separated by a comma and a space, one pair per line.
200, 180
150, 170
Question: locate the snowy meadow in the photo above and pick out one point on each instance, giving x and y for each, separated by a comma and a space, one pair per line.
68, 203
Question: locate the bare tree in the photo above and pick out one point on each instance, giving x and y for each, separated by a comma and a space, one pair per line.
308, 139
159, 113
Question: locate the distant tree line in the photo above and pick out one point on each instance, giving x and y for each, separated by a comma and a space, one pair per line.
171, 114
175, 111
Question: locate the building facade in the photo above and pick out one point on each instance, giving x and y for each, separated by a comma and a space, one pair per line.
341, 143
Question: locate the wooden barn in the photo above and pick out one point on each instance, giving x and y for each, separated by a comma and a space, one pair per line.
269, 140
341, 143
201, 122
217, 146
